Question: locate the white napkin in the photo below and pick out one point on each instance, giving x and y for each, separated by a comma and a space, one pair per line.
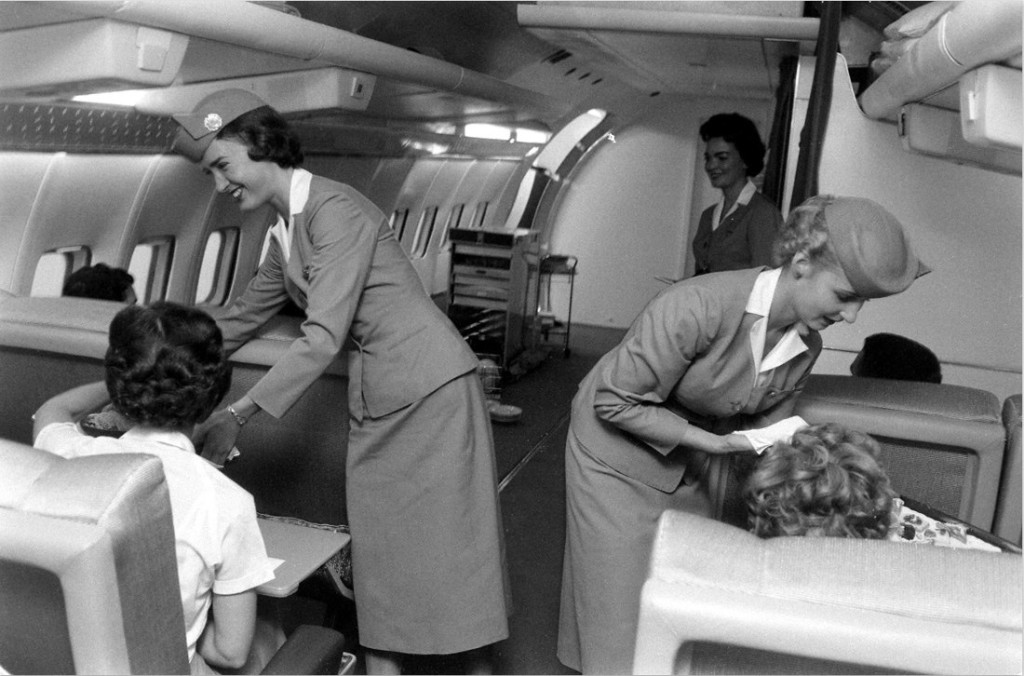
232, 454
766, 437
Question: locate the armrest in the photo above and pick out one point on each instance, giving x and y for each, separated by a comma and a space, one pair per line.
309, 650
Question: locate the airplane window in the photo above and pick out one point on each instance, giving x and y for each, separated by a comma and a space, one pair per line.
398, 221
480, 214
454, 216
151, 267
55, 266
424, 230
218, 263
489, 131
524, 135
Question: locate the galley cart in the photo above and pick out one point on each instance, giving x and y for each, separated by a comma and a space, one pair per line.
493, 296
555, 270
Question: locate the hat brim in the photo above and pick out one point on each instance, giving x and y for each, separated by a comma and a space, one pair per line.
190, 147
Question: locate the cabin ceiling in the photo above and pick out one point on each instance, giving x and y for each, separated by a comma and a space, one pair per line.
576, 67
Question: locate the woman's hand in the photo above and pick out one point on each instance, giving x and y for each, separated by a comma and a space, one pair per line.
715, 444
216, 436
736, 443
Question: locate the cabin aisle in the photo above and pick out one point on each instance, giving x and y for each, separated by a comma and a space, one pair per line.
533, 500
532, 484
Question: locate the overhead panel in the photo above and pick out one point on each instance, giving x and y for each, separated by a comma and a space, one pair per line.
92, 55
666, 50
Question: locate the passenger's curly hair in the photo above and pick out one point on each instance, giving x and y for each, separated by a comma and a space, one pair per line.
166, 366
267, 135
826, 482
806, 230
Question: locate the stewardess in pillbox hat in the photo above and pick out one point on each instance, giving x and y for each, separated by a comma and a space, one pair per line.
872, 247
199, 128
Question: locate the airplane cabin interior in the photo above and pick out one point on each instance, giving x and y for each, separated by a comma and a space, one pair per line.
540, 165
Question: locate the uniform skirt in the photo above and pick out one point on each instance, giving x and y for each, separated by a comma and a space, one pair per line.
610, 525
428, 556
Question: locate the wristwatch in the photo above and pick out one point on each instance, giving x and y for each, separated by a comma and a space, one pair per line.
240, 419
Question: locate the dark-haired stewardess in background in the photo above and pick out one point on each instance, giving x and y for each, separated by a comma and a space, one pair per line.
708, 356
739, 230
427, 546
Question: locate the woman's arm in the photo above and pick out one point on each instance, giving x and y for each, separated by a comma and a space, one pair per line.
69, 406
262, 298
217, 435
344, 239
644, 370
344, 242
230, 624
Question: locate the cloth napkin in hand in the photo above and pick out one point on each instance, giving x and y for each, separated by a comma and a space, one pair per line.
768, 436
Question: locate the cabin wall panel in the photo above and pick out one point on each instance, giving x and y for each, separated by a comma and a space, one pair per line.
386, 183
177, 205
21, 175
84, 200
354, 171
965, 223
629, 209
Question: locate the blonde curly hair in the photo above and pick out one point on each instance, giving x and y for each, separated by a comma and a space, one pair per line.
826, 482
806, 230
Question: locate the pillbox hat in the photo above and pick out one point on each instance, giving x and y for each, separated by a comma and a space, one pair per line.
199, 128
871, 246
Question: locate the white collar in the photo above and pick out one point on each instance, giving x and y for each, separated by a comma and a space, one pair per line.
298, 195
155, 435
300, 190
746, 194
760, 303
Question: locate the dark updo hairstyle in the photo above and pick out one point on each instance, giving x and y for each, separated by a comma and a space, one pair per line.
268, 136
99, 281
826, 482
894, 357
166, 365
742, 133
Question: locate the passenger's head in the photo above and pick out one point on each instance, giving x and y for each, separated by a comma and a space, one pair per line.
826, 482
166, 366
240, 116
102, 282
741, 134
893, 357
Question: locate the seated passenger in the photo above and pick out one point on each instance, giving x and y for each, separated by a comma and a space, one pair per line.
102, 282
166, 370
826, 482
887, 355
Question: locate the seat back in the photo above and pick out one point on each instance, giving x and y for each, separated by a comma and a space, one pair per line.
720, 600
942, 445
1008, 511
88, 572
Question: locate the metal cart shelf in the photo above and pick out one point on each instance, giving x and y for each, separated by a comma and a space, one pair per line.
554, 269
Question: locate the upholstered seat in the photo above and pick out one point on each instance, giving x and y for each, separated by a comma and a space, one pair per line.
88, 575
88, 572
721, 600
1008, 511
942, 445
